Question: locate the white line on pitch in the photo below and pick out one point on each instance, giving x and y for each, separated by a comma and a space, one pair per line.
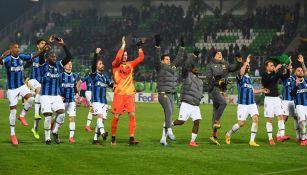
285, 171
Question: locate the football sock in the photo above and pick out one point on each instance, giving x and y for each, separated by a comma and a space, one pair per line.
72, 126
58, 122
254, 129
47, 127
27, 106
37, 104
234, 128
269, 129
12, 121
100, 126
193, 138
89, 119
281, 127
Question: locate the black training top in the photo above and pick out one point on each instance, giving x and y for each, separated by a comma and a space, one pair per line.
270, 81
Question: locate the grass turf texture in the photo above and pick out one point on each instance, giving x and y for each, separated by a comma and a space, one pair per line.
32, 156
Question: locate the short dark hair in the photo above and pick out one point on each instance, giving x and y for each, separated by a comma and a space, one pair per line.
299, 67
99, 59
268, 61
163, 56
49, 53
40, 40
13, 43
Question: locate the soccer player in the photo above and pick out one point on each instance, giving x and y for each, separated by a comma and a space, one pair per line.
216, 73
124, 89
88, 95
166, 85
288, 101
299, 92
70, 84
272, 101
51, 101
246, 103
34, 84
191, 95
99, 83
13, 61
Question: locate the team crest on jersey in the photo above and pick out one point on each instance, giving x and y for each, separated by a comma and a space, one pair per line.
223, 66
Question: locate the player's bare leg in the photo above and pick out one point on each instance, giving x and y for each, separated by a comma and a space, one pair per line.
269, 129
58, 123
194, 133
234, 129
47, 127
72, 128
29, 98
12, 117
254, 130
37, 117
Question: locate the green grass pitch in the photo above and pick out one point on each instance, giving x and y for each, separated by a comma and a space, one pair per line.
32, 156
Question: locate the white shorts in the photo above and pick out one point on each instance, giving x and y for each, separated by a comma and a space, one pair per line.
34, 84
244, 111
189, 111
51, 104
12, 94
272, 107
288, 108
88, 95
100, 108
70, 109
301, 113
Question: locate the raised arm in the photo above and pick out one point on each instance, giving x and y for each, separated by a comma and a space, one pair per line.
5, 54
286, 74
300, 59
157, 59
119, 54
236, 65
97, 51
42, 56
77, 85
139, 59
243, 68
180, 54
188, 65
67, 52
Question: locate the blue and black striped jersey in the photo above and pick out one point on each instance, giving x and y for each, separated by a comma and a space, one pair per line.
50, 78
100, 82
245, 90
68, 82
87, 80
286, 89
300, 96
35, 70
15, 70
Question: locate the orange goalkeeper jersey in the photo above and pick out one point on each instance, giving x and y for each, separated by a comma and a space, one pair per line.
123, 73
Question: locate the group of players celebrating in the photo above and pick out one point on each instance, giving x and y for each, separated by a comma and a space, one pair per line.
55, 88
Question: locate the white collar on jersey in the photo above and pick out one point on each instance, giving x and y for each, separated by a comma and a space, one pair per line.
15, 57
69, 74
